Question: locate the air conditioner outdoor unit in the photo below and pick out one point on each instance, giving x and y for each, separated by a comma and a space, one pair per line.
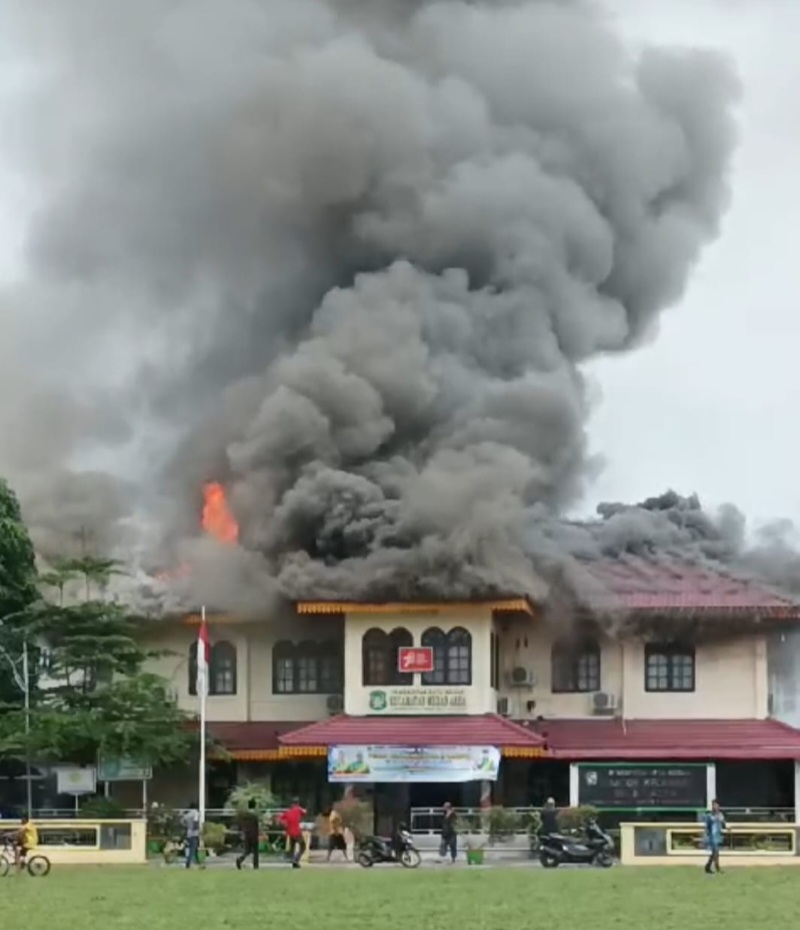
604, 703
335, 703
502, 707
521, 677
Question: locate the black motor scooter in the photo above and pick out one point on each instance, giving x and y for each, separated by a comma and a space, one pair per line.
375, 850
597, 848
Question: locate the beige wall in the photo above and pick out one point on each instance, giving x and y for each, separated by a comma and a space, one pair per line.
480, 698
731, 676
730, 679
254, 699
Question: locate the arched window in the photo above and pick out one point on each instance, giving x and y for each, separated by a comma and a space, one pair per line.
375, 658
379, 657
436, 639
331, 668
459, 657
283, 668
399, 638
222, 671
575, 666
452, 656
193, 669
306, 668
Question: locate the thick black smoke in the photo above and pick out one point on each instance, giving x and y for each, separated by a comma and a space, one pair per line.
358, 253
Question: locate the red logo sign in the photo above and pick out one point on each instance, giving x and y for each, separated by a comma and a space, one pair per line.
415, 659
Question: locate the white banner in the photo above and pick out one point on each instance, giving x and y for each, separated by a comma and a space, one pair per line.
413, 763
74, 780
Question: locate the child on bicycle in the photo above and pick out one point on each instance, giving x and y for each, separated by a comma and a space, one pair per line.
27, 840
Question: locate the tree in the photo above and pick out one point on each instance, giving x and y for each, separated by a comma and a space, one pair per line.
18, 591
94, 696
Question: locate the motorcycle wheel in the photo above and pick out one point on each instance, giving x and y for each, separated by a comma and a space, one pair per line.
410, 858
604, 859
548, 861
365, 860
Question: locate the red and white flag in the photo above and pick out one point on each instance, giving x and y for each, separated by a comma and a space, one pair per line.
202, 657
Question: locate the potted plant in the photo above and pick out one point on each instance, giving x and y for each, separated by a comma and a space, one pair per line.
214, 837
475, 851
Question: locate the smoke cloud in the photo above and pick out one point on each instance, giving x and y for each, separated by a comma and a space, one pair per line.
347, 258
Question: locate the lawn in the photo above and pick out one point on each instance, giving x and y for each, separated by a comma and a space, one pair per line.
389, 899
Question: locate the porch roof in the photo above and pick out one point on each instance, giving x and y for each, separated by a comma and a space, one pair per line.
477, 730
664, 740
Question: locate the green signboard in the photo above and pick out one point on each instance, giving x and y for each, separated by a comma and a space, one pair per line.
123, 770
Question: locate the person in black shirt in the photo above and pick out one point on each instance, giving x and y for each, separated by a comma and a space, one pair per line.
548, 818
250, 829
449, 842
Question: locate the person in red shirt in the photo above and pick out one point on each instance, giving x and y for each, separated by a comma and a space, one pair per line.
292, 821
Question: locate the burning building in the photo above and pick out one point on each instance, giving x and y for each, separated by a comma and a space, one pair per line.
373, 246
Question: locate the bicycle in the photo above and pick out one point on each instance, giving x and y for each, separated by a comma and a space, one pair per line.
36, 866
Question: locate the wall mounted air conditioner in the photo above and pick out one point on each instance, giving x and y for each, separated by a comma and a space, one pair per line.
521, 677
604, 703
335, 703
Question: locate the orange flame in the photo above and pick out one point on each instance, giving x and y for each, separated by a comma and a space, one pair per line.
217, 520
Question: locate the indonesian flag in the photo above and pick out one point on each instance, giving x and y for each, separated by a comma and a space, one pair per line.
202, 657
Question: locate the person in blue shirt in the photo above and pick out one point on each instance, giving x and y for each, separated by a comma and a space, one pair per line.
714, 826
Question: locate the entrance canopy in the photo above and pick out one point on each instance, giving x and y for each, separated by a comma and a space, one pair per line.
513, 739
707, 740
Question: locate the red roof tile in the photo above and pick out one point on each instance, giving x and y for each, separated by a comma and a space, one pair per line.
479, 730
242, 736
664, 740
636, 583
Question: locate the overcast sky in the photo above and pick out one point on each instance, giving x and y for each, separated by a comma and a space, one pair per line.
710, 406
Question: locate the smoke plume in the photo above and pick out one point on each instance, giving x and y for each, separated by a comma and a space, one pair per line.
348, 258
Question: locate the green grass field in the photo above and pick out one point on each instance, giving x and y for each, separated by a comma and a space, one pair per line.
388, 899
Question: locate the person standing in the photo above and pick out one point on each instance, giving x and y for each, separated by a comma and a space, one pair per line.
250, 827
449, 838
292, 821
714, 827
548, 819
336, 838
191, 826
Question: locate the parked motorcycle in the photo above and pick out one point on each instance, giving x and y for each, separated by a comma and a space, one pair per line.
375, 850
597, 848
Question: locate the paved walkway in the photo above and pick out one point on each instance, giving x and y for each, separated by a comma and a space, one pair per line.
428, 861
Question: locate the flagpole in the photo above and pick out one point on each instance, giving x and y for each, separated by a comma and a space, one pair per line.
203, 693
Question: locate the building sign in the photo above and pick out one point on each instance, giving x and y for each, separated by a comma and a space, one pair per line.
415, 659
442, 764
635, 786
75, 780
392, 701
123, 770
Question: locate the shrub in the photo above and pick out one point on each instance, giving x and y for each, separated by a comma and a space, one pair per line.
101, 808
239, 799
164, 822
500, 823
214, 836
357, 816
573, 819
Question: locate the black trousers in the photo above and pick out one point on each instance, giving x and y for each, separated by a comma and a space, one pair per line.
250, 848
296, 849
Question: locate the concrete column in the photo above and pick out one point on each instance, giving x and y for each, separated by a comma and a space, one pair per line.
711, 783
574, 784
797, 792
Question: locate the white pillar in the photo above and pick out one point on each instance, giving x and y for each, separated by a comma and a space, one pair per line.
574, 784
797, 792
711, 783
